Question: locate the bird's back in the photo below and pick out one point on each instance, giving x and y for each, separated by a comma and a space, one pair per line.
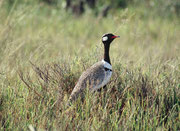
94, 78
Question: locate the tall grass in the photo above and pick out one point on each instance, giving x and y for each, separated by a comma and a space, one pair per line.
44, 51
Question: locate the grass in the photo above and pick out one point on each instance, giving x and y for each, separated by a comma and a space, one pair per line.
44, 51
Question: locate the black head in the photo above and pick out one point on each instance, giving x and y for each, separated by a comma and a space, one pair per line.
108, 38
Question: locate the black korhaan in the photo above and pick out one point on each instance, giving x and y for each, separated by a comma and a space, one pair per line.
98, 75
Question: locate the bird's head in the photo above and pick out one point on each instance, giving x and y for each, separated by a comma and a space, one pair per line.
108, 38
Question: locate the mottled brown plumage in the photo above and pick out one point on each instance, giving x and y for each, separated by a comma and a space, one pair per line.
92, 78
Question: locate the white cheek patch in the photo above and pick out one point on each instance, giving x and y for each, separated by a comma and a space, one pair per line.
105, 38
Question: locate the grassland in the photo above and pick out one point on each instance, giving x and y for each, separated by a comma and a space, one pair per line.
43, 51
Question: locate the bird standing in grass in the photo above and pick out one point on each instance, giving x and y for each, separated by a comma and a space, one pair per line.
98, 75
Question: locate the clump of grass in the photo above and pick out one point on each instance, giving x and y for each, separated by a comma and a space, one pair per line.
130, 101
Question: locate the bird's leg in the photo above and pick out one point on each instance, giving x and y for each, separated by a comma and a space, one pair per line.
99, 90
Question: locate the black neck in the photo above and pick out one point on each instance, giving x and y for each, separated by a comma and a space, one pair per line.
106, 53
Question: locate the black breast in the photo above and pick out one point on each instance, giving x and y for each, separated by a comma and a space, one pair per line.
107, 69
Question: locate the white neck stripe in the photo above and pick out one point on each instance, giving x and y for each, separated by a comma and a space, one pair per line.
106, 64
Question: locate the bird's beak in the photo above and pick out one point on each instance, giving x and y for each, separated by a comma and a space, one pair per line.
115, 36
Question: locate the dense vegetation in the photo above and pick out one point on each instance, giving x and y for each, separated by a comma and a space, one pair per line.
45, 48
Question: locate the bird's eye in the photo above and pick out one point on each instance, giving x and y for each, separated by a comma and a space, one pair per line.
105, 38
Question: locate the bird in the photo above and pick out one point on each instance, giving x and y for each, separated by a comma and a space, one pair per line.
98, 75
